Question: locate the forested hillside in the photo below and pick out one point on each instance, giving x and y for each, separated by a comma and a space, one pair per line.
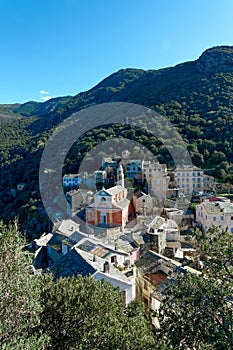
195, 96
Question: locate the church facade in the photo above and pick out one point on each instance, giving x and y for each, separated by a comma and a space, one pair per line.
110, 208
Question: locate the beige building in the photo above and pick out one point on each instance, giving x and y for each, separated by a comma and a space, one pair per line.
215, 213
151, 271
189, 179
156, 177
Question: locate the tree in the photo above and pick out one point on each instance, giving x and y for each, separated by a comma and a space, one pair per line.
19, 294
81, 313
217, 157
197, 311
37, 312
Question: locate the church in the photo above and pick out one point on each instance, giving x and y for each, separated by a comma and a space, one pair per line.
110, 207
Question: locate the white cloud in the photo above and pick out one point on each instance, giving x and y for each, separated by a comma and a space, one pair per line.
45, 98
44, 95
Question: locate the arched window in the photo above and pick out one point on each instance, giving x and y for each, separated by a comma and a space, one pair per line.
103, 199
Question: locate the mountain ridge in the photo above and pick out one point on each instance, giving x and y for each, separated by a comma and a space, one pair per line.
218, 59
195, 96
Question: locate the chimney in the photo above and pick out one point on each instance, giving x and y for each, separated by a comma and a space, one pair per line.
94, 258
106, 267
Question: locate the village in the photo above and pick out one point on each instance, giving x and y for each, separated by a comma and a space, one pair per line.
131, 224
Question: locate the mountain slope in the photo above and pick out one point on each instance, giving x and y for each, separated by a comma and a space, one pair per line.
203, 86
195, 96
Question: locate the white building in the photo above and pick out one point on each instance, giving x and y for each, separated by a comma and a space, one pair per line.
215, 213
189, 179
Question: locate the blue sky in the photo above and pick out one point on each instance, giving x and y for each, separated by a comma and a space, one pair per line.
62, 47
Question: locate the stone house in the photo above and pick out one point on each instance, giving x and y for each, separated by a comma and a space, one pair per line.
151, 271
78, 261
142, 203
77, 200
163, 233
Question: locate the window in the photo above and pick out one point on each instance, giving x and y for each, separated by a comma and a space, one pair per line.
103, 199
231, 217
113, 259
222, 218
146, 301
214, 218
232, 230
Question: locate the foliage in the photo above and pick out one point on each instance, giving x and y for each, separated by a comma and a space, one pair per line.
81, 313
76, 313
197, 312
19, 294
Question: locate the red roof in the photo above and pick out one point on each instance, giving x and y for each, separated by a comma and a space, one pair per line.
156, 278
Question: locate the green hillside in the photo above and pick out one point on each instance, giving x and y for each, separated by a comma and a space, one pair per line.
195, 96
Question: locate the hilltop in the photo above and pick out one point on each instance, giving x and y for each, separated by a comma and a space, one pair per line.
195, 96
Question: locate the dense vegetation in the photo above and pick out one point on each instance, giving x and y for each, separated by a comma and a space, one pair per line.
72, 313
37, 312
195, 96
198, 310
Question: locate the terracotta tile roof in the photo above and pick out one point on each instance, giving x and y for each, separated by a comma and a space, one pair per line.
156, 278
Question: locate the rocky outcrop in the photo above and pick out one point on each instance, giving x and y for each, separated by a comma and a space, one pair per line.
218, 59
